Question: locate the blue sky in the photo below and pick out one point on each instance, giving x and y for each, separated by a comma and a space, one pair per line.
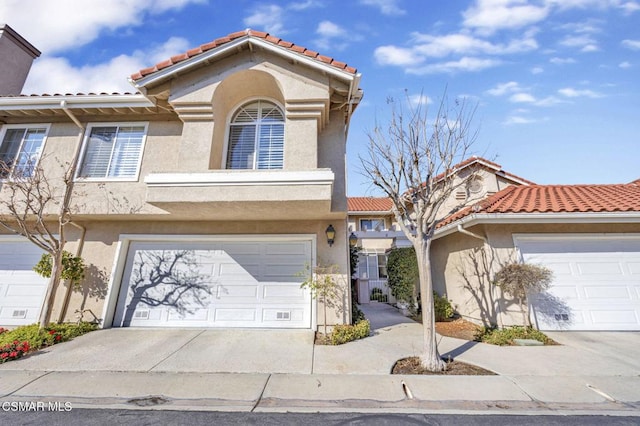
556, 82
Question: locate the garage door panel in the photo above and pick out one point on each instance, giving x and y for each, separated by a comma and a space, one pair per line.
601, 292
238, 291
278, 291
21, 289
599, 268
241, 282
607, 293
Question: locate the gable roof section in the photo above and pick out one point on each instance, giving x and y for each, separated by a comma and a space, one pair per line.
194, 56
369, 204
555, 199
483, 162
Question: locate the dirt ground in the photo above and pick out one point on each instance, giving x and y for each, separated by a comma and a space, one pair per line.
458, 328
454, 368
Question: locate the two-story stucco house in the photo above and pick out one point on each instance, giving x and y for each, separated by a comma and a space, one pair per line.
200, 200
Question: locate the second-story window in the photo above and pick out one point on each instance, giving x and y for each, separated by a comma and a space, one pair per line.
256, 137
113, 152
372, 224
20, 149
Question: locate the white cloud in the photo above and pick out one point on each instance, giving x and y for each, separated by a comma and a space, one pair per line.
630, 7
466, 64
393, 55
562, 61
57, 75
581, 41
333, 36
576, 93
440, 46
524, 98
631, 44
505, 88
489, 16
387, 7
268, 17
419, 99
537, 70
518, 119
624, 65
54, 26
304, 5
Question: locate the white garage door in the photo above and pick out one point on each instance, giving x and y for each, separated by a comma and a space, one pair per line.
596, 281
215, 284
21, 289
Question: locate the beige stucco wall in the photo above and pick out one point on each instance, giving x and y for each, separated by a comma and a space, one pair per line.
463, 266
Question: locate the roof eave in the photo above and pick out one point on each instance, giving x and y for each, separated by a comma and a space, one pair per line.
75, 101
161, 75
525, 218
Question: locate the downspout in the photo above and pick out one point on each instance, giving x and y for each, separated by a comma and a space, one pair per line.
83, 230
471, 234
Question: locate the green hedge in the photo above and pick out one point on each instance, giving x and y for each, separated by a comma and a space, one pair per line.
348, 333
402, 270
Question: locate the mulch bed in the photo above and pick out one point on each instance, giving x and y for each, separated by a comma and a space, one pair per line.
454, 368
458, 328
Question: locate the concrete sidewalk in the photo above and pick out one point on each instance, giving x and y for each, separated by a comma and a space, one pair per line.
573, 377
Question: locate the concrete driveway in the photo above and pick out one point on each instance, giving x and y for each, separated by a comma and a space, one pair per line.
178, 350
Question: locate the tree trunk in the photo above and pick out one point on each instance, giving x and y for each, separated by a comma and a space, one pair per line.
430, 358
526, 320
54, 281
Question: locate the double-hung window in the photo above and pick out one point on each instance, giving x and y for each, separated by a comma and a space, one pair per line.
256, 137
372, 265
20, 149
113, 151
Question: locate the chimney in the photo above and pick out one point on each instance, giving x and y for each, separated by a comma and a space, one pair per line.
16, 57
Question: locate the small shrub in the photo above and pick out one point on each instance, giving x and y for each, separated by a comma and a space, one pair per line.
356, 314
36, 338
505, 336
378, 294
442, 307
348, 333
13, 350
3, 330
402, 269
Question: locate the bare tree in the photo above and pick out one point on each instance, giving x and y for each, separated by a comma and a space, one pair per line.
411, 160
38, 209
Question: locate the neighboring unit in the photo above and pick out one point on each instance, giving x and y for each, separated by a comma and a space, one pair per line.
204, 199
588, 235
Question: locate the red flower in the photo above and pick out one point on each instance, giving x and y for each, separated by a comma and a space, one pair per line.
58, 337
13, 354
4, 355
52, 332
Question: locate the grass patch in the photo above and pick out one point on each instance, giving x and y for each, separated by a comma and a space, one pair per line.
21, 340
506, 336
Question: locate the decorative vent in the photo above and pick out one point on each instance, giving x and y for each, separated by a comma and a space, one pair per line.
141, 315
461, 195
561, 317
283, 316
19, 313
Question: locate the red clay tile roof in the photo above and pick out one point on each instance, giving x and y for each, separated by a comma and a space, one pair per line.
233, 36
368, 204
556, 199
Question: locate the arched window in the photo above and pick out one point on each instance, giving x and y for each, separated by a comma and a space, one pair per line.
256, 137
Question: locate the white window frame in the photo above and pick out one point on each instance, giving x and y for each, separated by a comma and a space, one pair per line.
45, 126
376, 253
85, 143
229, 123
372, 219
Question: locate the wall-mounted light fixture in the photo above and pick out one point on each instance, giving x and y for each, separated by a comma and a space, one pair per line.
331, 234
353, 239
